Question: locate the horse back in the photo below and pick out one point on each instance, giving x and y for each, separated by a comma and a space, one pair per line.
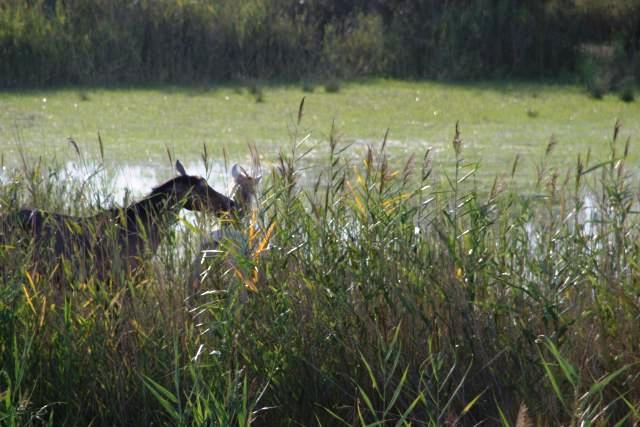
56, 232
22, 221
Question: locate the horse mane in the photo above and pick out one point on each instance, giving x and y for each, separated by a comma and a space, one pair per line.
190, 182
168, 184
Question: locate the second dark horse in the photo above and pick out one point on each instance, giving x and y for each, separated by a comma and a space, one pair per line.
113, 241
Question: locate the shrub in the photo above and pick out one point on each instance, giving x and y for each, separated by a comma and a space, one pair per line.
355, 48
332, 86
308, 86
57, 42
627, 89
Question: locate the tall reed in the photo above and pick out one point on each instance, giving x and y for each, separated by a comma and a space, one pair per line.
387, 292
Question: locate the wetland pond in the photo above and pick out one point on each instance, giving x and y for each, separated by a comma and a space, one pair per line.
139, 125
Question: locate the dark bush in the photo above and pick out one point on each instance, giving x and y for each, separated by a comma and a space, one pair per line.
45, 42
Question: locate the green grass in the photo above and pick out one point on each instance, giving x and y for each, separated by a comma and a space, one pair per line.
382, 296
498, 120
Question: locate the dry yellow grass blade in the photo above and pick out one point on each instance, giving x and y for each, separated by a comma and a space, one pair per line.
252, 227
248, 282
359, 203
31, 281
523, 420
43, 309
54, 271
254, 278
265, 240
392, 203
26, 294
138, 328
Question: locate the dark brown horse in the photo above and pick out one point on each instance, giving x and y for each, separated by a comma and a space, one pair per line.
115, 240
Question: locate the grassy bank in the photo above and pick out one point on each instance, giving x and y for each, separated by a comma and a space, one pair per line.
380, 295
138, 124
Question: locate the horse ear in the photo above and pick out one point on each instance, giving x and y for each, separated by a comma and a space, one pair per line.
180, 168
235, 171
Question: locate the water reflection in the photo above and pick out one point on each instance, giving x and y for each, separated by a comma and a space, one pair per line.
135, 181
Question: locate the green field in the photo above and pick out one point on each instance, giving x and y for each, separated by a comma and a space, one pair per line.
371, 298
498, 120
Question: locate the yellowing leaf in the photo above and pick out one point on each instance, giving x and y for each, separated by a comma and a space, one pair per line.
252, 227
31, 281
265, 240
26, 294
43, 308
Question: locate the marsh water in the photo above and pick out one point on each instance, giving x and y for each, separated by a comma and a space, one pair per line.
131, 130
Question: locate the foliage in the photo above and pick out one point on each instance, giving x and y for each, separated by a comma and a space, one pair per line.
45, 42
363, 294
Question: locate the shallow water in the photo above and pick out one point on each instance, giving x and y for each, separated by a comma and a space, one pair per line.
138, 180
122, 185
138, 125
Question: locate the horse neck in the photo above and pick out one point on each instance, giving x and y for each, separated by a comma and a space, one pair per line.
156, 212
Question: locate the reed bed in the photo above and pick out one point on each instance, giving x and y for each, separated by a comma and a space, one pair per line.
374, 294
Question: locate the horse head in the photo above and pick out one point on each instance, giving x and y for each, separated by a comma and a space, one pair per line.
245, 187
194, 193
